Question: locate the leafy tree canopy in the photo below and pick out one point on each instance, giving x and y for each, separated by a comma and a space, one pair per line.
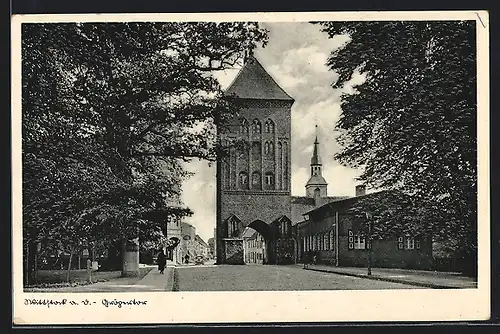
110, 112
411, 125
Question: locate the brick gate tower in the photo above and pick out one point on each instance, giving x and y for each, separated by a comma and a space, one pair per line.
253, 182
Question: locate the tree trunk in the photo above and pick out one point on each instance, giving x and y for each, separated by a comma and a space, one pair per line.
31, 262
26, 264
69, 264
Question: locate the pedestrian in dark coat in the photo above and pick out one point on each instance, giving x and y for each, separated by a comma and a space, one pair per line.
162, 261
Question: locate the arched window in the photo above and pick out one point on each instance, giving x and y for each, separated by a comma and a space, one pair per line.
269, 180
268, 148
269, 126
317, 192
326, 243
243, 126
243, 180
256, 127
285, 228
256, 181
232, 228
256, 150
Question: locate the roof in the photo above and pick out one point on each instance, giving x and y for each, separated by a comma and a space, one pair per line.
200, 240
316, 180
315, 159
303, 200
281, 219
253, 82
346, 199
337, 198
303, 204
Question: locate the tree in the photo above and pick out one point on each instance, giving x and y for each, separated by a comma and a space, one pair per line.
110, 111
411, 125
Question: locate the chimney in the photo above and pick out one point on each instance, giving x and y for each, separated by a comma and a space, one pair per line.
360, 190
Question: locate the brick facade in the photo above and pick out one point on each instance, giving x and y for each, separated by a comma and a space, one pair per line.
318, 236
253, 182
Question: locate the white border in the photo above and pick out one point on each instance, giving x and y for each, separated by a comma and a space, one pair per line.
299, 306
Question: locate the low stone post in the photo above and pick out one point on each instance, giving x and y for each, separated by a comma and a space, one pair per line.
89, 270
130, 251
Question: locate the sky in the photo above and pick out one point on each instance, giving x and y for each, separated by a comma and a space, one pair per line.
295, 56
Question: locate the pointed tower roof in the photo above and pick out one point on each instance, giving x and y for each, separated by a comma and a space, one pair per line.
316, 179
253, 82
315, 159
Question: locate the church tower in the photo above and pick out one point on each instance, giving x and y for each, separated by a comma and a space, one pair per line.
316, 186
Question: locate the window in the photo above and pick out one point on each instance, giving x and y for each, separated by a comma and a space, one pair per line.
284, 227
232, 228
269, 179
269, 126
268, 148
400, 243
256, 180
410, 243
332, 241
357, 241
243, 126
243, 180
256, 127
256, 150
326, 241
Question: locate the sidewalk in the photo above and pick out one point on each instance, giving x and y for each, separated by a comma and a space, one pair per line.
152, 281
429, 279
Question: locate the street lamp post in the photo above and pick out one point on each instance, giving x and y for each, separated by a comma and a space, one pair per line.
370, 225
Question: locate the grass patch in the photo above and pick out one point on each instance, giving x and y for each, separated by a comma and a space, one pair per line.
57, 278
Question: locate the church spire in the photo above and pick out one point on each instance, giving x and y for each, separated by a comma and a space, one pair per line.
316, 186
315, 160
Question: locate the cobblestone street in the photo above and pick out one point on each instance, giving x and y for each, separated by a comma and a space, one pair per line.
271, 278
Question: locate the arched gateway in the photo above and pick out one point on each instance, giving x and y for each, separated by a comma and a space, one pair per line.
253, 181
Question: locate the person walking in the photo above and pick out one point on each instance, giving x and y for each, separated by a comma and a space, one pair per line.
162, 261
